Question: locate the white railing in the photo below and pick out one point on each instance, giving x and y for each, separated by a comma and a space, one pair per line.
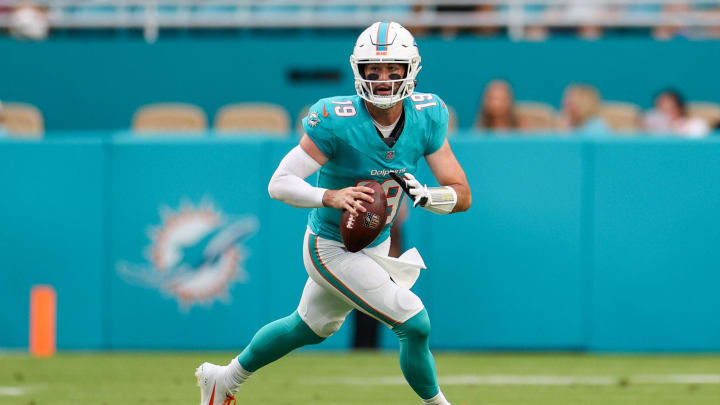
515, 15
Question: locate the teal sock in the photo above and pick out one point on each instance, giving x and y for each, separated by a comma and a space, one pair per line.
275, 340
416, 361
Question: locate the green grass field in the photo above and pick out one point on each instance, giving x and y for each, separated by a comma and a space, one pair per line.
365, 379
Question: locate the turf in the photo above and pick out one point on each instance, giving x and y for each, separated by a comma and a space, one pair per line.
355, 379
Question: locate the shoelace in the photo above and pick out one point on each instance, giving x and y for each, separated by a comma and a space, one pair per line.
228, 399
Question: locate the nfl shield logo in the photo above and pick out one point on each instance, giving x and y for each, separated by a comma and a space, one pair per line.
390, 155
372, 220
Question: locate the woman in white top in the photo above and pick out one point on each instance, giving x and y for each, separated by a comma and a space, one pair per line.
670, 115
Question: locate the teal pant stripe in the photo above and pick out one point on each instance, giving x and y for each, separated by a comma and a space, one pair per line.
335, 282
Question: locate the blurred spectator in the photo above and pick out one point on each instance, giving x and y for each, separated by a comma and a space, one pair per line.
29, 21
536, 32
588, 13
714, 32
418, 30
450, 31
497, 110
3, 133
705, 12
670, 115
533, 14
581, 105
644, 10
665, 32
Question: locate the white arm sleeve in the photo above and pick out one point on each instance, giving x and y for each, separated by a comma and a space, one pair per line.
288, 182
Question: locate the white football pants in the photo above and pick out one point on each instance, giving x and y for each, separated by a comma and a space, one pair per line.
340, 281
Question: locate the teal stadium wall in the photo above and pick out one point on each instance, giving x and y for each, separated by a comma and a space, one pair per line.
607, 244
98, 82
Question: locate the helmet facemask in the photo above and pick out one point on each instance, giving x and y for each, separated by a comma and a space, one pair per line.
399, 88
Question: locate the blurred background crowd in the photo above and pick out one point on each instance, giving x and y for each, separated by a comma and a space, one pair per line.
584, 112
581, 108
527, 19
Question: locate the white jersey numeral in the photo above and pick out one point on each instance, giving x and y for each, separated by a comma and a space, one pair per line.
345, 109
425, 105
417, 98
421, 97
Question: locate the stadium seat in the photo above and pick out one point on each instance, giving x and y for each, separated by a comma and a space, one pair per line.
302, 114
254, 117
169, 118
710, 112
23, 120
621, 116
534, 116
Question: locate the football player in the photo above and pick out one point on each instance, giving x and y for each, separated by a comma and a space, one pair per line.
384, 129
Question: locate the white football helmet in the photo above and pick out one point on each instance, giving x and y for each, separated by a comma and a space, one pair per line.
385, 42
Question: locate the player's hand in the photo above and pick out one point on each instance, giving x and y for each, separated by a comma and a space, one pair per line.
419, 192
349, 199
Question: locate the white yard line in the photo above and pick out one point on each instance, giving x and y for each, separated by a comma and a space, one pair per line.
527, 380
18, 391
545, 380
677, 379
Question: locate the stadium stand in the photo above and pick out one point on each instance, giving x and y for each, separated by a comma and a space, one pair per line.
621, 116
243, 117
689, 19
534, 116
169, 117
23, 120
537, 20
710, 112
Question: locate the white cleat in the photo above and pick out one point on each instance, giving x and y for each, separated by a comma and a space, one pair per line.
213, 390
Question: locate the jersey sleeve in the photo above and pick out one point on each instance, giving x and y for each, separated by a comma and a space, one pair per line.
318, 127
439, 117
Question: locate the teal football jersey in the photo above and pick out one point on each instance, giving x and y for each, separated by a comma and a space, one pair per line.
343, 130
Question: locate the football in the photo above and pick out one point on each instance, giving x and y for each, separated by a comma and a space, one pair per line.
358, 232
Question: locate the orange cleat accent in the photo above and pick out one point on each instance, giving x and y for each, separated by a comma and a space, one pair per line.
229, 398
212, 396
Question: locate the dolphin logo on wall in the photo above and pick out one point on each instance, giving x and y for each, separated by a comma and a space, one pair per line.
195, 254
